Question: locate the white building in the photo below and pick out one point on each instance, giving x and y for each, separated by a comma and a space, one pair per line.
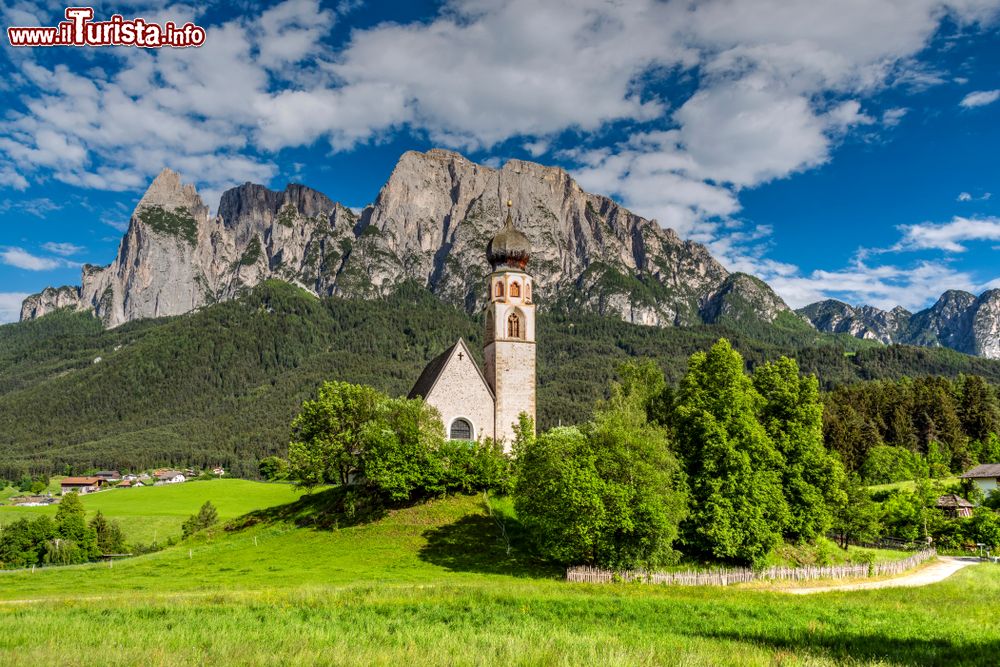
169, 477
985, 476
474, 404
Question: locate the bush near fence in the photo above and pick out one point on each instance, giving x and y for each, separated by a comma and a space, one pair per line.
730, 576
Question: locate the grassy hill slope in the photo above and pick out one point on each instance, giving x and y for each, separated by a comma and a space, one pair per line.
436, 584
220, 386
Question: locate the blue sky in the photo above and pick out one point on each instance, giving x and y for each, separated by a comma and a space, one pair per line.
835, 148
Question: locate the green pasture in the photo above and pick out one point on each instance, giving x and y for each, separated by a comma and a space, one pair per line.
156, 512
909, 484
448, 582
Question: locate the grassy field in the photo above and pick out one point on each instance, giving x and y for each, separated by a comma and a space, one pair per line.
156, 512
909, 484
438, 584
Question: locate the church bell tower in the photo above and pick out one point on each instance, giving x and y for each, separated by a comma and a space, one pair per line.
509, 345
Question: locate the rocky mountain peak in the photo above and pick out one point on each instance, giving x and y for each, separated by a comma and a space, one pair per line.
168, 192
958, 320
430, 223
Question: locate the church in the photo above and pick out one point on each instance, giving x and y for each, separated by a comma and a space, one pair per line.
477, 404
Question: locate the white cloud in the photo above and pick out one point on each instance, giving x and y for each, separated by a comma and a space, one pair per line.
39, 207
964, 196
478, 73
63, 249
10, 306
885, 286
980, 98
779, 84
12, 179
651, 174
948, 236
893, 117
22, 259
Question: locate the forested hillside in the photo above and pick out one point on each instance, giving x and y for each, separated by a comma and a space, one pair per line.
895, 430
220, 385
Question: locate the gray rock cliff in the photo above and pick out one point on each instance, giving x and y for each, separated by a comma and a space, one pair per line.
958, 320
430, 223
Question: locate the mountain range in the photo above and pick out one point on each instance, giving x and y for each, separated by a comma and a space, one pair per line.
430, 224
959, 320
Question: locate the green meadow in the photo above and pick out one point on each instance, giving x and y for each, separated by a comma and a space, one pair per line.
446, 582
909, 484
156, 512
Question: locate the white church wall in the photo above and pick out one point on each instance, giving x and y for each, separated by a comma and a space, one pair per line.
461, 392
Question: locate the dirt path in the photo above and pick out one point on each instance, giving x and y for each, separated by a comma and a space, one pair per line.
944, 567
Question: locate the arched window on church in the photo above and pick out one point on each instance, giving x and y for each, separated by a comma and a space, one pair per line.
527, 291
515, 289
513, 326
490, 326
460, 429
499, 289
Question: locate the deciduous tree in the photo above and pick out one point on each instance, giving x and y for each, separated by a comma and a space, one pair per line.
738, 509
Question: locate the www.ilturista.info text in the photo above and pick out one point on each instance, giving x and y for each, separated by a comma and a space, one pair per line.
79, 29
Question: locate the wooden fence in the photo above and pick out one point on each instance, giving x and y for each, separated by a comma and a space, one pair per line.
725, 577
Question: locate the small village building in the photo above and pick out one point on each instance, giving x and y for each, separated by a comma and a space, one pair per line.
81, 485
108, 475
986, 476
954, 506
128, 484
170, 477
218, 471
476, 404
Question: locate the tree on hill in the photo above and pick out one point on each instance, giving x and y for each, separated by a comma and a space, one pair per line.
206, 517
273, 468
74, 541
609, 493
738, 509
328, 433
977, 408
393, 449
23, 543
812, 479
857, 518
110, 538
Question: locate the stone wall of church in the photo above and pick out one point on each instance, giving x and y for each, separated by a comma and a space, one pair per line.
461, 392
512, 367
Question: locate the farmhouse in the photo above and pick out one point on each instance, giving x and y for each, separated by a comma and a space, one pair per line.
108, 475
985, 476
169, 477
475, 404
81, 484
954, 506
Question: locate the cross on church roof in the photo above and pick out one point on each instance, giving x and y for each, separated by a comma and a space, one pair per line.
461, 356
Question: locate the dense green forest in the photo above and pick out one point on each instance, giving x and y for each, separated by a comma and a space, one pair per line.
221, 385
895, 430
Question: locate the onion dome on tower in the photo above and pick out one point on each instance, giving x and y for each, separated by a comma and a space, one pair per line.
509, 248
